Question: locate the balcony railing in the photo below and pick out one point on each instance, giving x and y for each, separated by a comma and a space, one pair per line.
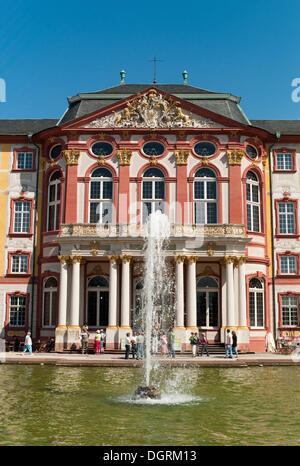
88, 230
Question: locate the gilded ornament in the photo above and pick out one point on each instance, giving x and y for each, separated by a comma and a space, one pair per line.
179, 258
210, 250
205, 160
125, 258
71, 156
124, 156
101, 160
191, 259
94, 248
235, 157
113, 259
63, 259
153, 160
75, 259
181, 135
181, 157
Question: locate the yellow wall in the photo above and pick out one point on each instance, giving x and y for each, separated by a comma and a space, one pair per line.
4, 172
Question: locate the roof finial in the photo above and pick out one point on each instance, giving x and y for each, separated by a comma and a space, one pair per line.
122, 74
185, 75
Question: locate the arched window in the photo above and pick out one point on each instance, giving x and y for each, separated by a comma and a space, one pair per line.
97, 302
101, 195
256, 302
153, 192
50, 302
253, 202
205, 196
54, 189
207, 302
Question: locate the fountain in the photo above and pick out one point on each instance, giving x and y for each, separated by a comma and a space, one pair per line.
156, 303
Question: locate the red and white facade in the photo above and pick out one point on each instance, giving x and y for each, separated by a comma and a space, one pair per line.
73, 227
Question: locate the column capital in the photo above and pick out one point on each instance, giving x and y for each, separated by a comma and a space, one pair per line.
235, 156
113, 259
242, 260
227, 260
124, 156
125, 258
181, 157
71, 156
191, 259
179, 259
75, 259
63, 259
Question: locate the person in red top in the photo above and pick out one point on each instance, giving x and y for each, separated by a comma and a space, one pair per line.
203, 342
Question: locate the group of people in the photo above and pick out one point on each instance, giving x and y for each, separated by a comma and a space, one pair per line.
99, 340
162, 343
197, 342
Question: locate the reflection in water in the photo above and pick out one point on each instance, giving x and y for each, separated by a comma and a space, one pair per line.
85, 406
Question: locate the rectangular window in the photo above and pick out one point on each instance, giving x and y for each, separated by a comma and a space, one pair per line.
22, 217
286, 218
24, 160
256, 309
17, 311
19, 264
290, 310
288, 264
284, 161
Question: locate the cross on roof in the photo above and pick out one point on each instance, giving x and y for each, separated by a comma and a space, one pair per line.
155, 60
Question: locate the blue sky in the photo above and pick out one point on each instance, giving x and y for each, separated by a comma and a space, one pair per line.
53, 49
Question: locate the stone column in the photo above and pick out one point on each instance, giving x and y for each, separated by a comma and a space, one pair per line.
74, 327
61, 329
112, 329
179, 292
125, 292
242, 293
230, 291
191, 294
243, 330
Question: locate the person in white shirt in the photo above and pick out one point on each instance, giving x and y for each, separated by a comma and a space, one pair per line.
28, 343
228, 344
127, 345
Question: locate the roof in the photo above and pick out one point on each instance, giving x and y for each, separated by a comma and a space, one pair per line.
289, 127
221, 103
21, 127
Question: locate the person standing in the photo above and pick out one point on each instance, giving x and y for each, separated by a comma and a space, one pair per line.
203, 341
127, 345
16, 344
28, 343
228, 344
97, 342
172, 343
102, 338
133, 345
163, 344
234, 344
140, 346
84, 340
193, 342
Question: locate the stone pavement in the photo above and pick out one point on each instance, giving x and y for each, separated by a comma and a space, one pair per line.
181, 360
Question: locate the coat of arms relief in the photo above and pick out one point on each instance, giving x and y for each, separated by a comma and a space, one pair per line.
151, 110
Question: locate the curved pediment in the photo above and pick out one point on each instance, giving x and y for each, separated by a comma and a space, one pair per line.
152, 110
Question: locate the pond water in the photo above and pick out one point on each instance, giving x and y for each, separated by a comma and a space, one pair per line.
48, 405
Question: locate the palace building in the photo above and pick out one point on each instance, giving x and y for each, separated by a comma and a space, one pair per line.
76, 193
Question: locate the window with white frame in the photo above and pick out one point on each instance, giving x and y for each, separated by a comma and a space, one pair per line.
24, 160
19, 263
153, 192
22, 217
256, 302
17, 311
289, 308
101, 196
288, 264
50, 302
284, 161
253, 202
205, 196
54, 190
286, 218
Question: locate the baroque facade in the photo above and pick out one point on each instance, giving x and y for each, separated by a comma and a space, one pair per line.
76, 193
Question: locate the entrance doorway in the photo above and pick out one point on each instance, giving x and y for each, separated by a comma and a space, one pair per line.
97, 302
207, 302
